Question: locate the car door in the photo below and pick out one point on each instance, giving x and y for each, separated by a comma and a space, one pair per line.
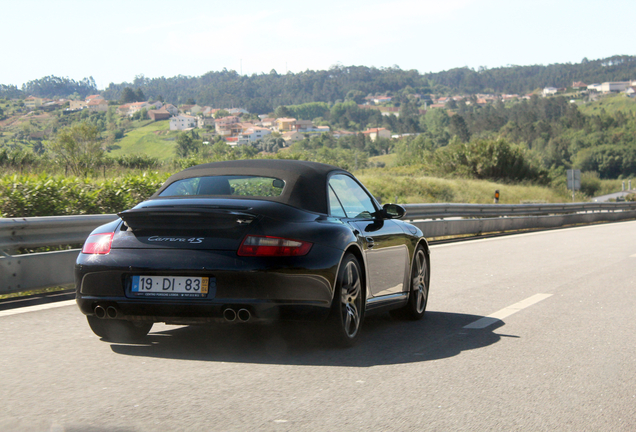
385, 244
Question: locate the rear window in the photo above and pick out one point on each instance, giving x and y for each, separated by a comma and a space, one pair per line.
246, 186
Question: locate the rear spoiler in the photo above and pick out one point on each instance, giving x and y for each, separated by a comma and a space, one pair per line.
186, 217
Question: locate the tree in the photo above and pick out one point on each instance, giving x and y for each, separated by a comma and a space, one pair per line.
459, 128
409, 114
355, 95
78, 147
128, 95
221, 113
282, 111
186, 144
139, 95
436, 122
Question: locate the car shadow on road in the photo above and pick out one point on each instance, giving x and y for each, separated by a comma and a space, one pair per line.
384, 341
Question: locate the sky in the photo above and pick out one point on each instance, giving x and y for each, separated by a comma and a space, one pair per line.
114, 40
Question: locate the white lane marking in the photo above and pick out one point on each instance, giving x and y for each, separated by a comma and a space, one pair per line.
506, 312
36, 308
633, 256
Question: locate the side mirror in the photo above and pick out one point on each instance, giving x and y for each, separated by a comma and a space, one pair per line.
393, 211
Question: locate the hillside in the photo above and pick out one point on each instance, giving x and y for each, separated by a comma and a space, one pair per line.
152, 139
262, 93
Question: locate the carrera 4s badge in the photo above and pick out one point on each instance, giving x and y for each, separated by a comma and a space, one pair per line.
192, 240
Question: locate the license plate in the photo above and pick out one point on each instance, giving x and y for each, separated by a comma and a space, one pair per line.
171, 286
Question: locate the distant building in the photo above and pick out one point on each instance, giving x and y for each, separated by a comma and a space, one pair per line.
594, 87
268, 122
237, 111
160, 114
131, 108
292, 137
252, 134
97, 105
206, 121
579, 85
285, 124
171, 109
381, 99
228, 126
549, 91
375, 133
92, 97
304, 125
123, 109
194, 110
182, 122
33, 102
340, 133
614, 87
75, 105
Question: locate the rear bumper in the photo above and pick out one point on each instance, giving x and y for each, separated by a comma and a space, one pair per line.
270, 288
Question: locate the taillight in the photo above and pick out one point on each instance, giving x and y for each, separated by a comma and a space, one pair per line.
273, 246
98, 243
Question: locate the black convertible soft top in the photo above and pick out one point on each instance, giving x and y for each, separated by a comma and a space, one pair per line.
305, 182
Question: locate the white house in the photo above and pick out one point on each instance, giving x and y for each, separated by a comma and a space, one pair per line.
549, 91
594, 87
618, 86
137, 106
182, 122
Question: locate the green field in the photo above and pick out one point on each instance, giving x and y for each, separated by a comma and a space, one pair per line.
386, 184
154, 139
611, 104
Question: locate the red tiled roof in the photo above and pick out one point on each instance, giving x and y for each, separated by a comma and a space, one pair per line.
97, 102
374, 130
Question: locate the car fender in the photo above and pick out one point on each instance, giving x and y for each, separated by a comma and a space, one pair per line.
355, 249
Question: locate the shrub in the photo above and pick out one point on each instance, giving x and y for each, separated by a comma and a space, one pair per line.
46, 195
590, 183
490, 159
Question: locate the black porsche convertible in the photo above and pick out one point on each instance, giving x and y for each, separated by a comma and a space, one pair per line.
253, 240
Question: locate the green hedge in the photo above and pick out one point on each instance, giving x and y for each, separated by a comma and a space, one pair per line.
46, 195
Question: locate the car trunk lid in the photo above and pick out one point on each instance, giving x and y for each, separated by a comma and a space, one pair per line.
184, 227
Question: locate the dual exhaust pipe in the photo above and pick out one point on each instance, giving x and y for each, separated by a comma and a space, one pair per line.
242, 315
102, 312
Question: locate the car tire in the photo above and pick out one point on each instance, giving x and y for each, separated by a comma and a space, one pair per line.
418, 294
347, 309
115, 330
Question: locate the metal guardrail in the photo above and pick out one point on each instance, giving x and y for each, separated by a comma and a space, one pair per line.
39, 270
428, 211
48, 230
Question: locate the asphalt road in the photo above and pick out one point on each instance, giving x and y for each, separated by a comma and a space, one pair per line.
532, 332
